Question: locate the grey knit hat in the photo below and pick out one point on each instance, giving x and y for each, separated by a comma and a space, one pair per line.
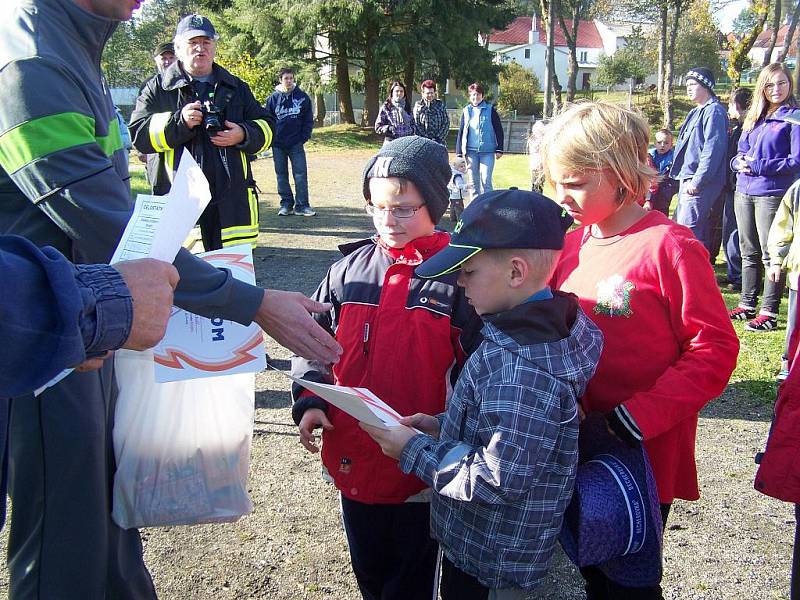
417, 159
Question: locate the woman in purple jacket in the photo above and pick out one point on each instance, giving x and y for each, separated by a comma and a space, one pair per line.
767, 162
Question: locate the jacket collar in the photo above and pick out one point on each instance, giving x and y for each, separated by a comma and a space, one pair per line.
417, 250
538, 322
175, 77
91, 30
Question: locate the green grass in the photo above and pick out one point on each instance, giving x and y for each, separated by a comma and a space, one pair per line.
343, 137
139, 183
512, 171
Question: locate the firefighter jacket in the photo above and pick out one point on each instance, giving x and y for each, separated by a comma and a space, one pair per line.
157, 127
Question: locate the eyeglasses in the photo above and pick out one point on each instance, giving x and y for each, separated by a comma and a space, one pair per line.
398, 212
772, 86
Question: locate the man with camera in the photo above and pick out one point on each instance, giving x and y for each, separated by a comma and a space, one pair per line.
197, 106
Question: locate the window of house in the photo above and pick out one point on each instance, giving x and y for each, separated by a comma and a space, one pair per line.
583, 56
527, 52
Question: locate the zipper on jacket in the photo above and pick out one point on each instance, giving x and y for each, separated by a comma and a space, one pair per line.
366, 338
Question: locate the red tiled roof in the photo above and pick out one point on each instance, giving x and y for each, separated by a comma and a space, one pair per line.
762, 41
517, 33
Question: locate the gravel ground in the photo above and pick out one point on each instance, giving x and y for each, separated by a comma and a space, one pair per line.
732, 544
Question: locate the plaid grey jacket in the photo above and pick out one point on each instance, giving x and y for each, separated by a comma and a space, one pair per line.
504, 466
431, 120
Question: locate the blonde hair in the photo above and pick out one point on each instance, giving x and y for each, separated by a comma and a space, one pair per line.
760, 105
542, 261
598, 136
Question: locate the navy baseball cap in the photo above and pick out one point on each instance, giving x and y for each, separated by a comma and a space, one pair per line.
500, 219
192, 26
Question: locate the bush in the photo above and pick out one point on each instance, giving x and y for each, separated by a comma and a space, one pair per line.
518, 90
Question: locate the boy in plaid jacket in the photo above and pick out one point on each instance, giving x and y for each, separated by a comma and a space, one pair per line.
502, 458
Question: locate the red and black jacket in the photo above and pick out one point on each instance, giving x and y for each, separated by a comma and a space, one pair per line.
404, 338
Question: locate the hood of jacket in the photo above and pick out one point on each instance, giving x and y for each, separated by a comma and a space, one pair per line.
553, 334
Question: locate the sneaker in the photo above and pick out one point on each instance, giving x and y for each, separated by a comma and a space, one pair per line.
305, 212
784, 372
733, 287
762, 323
285, 212
741, 314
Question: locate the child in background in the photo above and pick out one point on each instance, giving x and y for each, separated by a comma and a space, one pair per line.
502, 459
457, 188
738, 105
661, 192
406, 340
783, 246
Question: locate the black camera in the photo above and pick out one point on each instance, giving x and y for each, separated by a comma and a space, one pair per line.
213, 118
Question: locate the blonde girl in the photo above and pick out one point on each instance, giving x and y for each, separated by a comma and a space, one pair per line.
648, 284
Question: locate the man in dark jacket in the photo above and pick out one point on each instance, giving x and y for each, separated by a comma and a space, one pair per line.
198, 106
64, 183
291, 108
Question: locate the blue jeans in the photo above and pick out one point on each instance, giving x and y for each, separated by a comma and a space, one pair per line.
481, 166
695, 212
281, 158
730, 240
754, 215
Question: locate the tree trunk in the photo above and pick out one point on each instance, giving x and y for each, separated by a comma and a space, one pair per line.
740, 50
548, 73
773, 38
797, 78
346, 114
572, 44
551, 60
663, 18
670, 63
787, 40
371, 80
319, 109
409, 70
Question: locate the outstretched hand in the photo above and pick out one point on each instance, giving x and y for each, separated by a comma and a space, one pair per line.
285, 317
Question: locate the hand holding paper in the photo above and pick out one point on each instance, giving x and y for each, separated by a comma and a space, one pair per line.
392, 441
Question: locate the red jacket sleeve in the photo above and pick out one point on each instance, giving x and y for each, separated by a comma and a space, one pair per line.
709, 346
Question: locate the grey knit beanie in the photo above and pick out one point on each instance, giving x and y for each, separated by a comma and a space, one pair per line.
417, 159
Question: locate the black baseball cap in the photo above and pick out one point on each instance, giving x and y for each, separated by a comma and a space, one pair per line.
508, 219
165, 47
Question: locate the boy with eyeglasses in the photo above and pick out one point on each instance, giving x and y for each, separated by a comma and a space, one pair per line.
404, 338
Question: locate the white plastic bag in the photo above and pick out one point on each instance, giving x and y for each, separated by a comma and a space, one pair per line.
182, 448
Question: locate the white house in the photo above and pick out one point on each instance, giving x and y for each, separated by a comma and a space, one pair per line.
525, 41
761, 45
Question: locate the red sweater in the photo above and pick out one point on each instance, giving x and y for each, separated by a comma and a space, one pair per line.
669, 344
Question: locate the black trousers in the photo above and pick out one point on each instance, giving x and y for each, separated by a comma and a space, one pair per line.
600, 587
457, 585
63, 544
391, 550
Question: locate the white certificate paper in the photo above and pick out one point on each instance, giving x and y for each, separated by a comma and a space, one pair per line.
159, 224
196, 346
359, 403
